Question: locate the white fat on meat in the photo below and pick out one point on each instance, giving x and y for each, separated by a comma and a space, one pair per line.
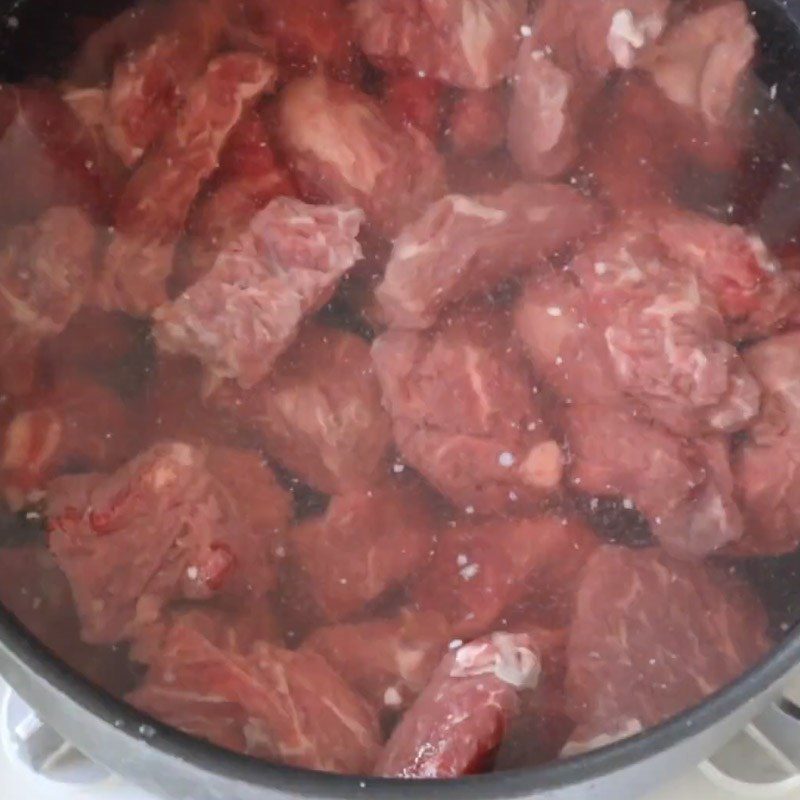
628, 34
504, 655
628, 728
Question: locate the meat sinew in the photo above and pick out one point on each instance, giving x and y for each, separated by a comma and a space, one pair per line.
464, 245
766, 464
153, 208
459, 720
465, 415
272, 703
366, 543
343, 148
244, 313
160, 529
319, 413
647, 647
466, 43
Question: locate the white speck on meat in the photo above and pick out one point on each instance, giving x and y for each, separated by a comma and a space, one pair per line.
462, 560
280, 551
392, 698
594, 504
469, 572
455, 644
627, 503
398, 468
773, 91
506, 459
192, 573
37, 601
559, 360
525, 31
531, 426
422, 73
786, 166
600, 268
33, 515
513, 496
469, 510
554, 311
343, 581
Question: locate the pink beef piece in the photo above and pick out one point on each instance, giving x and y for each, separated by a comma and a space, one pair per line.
766, 465
701, 62
152, 211
46, 272
459, 720
272, 703
161, 529
152, 80
480, 570
319, 413
341, 147
464, 245
566, 351
666, 337
366, 543
77, 423
652, 636
244, 313
684, 488
51, 157
562, 64
477, 122
250, 175
756, 297
389, 661
465, 414
465, 43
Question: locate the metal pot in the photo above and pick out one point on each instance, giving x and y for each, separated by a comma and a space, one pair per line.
174, 765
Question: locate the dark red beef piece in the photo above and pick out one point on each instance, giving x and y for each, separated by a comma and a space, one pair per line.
389, 661
683, 487
465, 43
665, 335
414, 100
153, 78
272, 703
51, 157
481, 570
477, 123
342, 147
766, 463
163, 528
459, 720
463, 246
366, 543
76, 424
465, 414
652, 636
46, 270
244, 313
319, 413
249, 176
153, 208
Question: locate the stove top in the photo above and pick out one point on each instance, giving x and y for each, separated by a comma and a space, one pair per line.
36, 764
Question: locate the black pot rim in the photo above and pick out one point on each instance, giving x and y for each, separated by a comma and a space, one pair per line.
512, 783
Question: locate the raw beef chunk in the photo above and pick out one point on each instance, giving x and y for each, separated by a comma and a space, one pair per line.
162, 528
568, 52
389, 661
480, 570
464, 245
457, 723
271, 703
465, 415
665, 335
250, 175
342, 147
319, 413
244, 313
755, 295
153, 208
78, 424
767, 465
153, 80
684, 488
49, 157
652, 637
45, 275
466, 43
366, 543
